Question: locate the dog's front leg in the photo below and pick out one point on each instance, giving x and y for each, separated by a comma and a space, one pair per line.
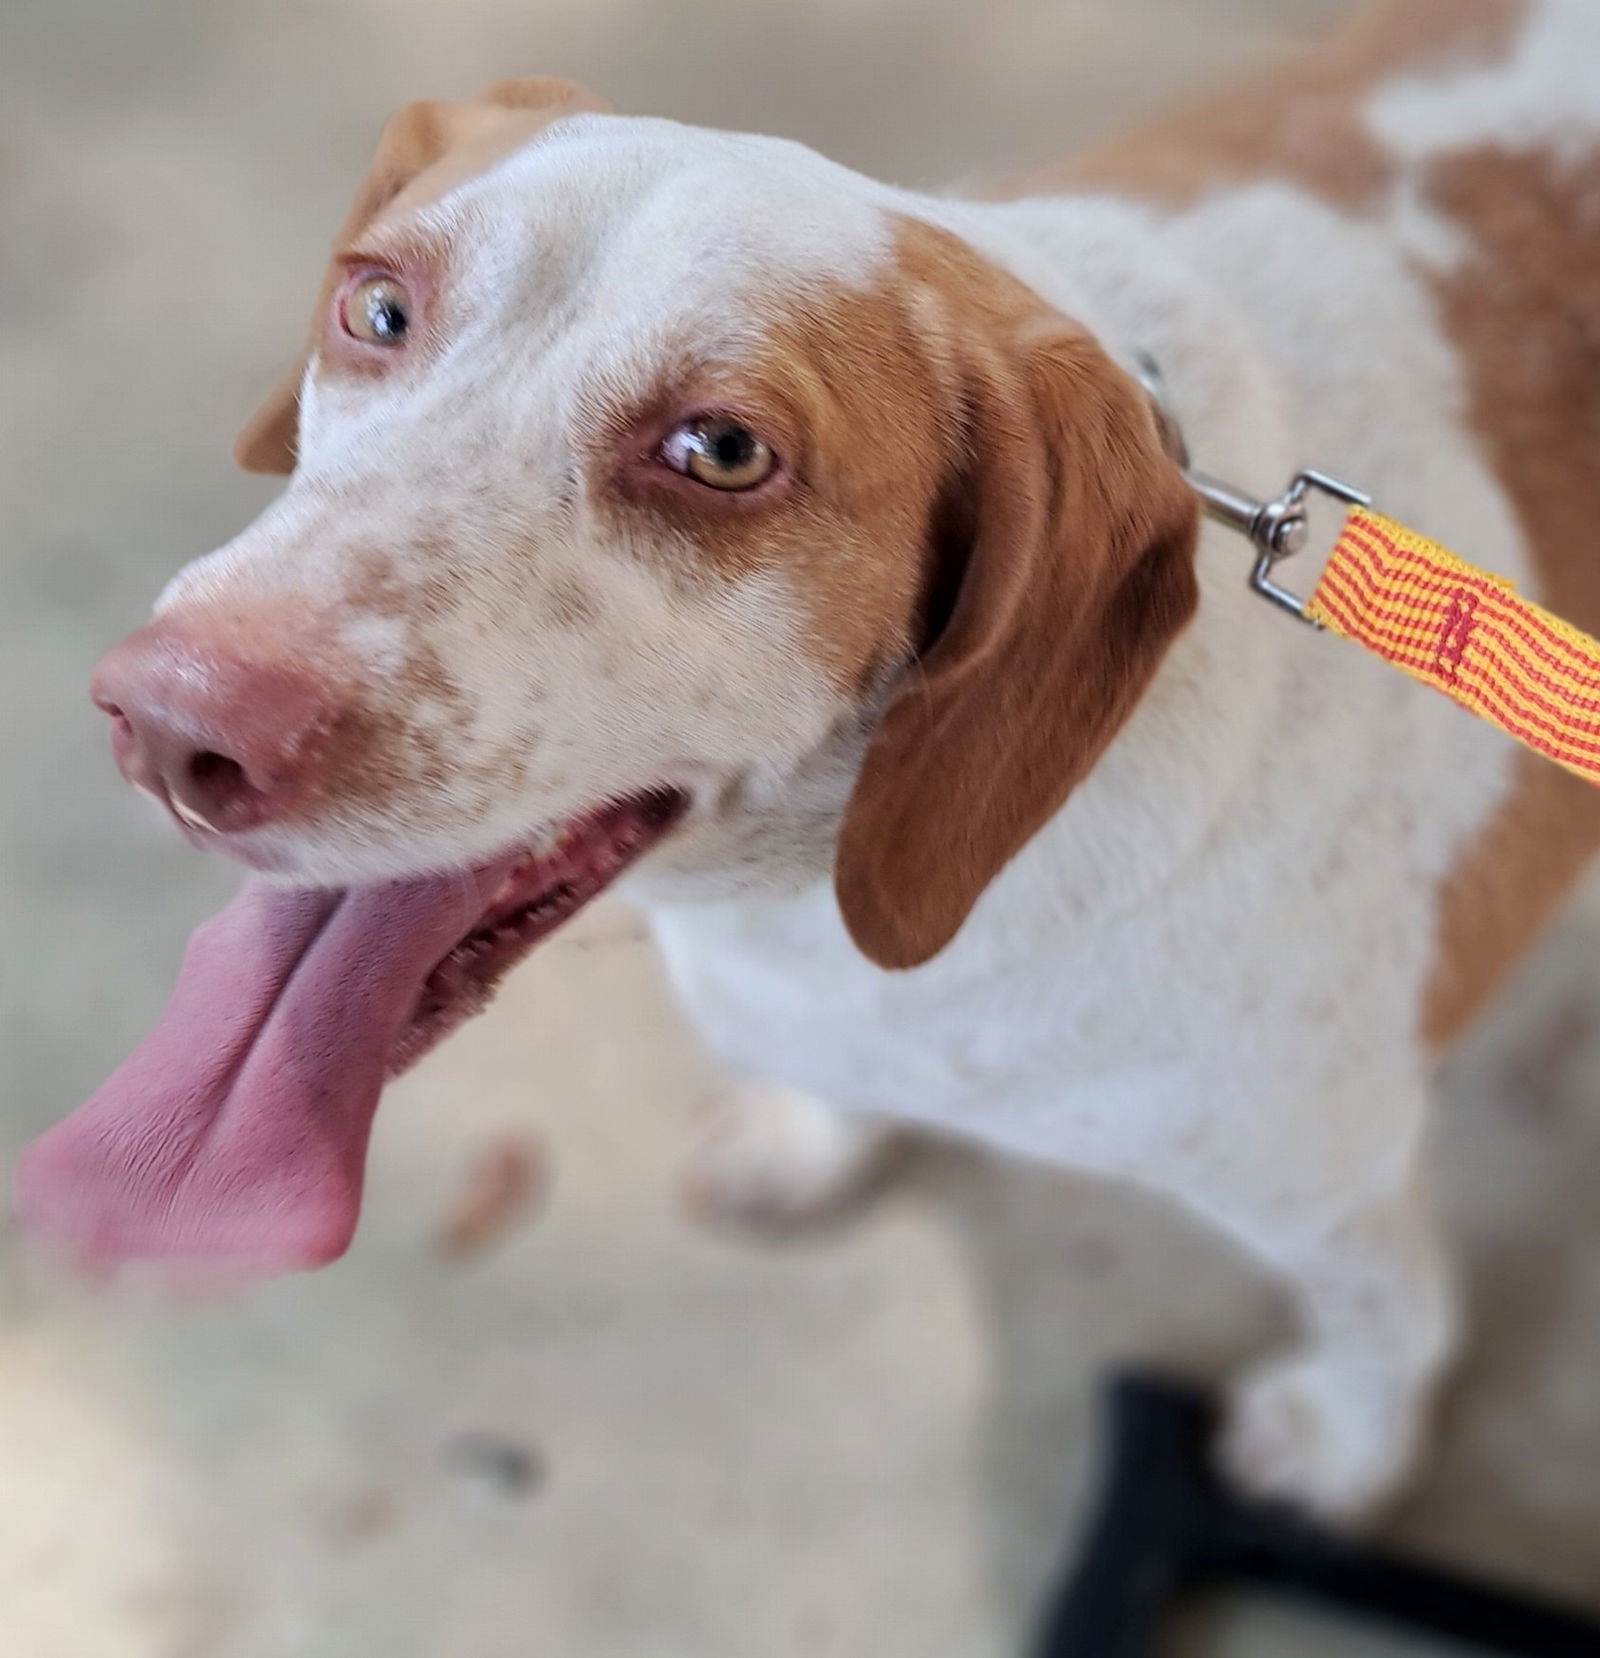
1335, 1424
773, 1158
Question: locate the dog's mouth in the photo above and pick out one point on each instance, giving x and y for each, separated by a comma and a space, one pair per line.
539, 892
236, 1133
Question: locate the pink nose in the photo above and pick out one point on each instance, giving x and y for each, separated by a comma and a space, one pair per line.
227, 739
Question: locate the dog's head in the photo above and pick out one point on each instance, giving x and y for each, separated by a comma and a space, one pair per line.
634, 472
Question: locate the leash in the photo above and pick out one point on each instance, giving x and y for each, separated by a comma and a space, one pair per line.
1165, 1530
1444, 622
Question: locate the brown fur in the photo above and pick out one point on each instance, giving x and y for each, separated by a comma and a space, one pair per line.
1299, 119
852, 390
1070, 573
847, 523
1525, 314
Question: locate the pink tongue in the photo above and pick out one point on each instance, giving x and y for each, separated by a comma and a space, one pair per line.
236, 1133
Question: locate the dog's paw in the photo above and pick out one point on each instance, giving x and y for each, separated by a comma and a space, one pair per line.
1322, 1436
772, 1160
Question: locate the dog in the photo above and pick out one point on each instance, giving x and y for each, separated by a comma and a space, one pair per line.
679, 508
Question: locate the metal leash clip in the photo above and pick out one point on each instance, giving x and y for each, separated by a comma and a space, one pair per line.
1277, 528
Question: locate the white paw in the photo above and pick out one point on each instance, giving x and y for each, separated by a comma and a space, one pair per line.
772, 1159
1319, 1434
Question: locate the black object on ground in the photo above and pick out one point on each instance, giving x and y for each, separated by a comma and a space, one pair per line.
1166, 1527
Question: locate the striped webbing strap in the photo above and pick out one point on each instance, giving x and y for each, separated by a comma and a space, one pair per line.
1466, 633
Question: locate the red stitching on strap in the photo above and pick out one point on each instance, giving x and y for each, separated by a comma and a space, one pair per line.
1455, 633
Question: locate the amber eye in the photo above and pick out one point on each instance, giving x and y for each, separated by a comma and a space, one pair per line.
378, 311
719, 451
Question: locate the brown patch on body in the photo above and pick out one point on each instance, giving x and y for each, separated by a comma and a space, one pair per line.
1524, 312
1300, 119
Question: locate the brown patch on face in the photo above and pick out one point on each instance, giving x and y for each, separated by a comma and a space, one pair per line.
384, 753
1524, 312
424, 583
508, 766
403, 742
374, 585
412, 723
1300, 119
861, 390
840, 390
889, 431
871, 417
569, 603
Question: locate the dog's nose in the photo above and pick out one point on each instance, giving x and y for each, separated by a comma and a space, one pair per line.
228, 738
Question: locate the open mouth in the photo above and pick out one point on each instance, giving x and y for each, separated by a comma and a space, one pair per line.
236, 1133
537, 894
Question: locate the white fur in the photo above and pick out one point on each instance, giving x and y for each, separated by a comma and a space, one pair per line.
770, 1158
1546, 95
1204, 973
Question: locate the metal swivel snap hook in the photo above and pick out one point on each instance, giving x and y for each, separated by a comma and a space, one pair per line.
1277, 528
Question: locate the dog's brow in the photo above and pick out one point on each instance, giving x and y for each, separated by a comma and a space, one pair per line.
405, 236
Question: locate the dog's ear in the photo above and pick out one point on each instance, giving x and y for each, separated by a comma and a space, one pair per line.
1075, 572
438, 144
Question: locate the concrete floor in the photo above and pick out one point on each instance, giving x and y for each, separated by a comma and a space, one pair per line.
608, 1435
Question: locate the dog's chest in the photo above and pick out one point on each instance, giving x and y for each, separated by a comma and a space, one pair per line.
972, 1041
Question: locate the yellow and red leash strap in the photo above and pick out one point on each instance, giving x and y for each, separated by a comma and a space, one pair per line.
1466, 633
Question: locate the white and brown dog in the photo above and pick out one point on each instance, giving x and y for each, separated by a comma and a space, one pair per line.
679, 503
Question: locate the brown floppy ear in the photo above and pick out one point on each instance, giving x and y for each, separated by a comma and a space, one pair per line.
1078, 575
452, 140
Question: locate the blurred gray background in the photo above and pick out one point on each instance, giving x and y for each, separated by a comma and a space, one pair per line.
605, 1433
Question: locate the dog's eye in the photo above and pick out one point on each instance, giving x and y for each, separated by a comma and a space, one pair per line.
719, 451
377, 310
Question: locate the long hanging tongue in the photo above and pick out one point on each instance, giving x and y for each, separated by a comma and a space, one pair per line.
237, 1132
